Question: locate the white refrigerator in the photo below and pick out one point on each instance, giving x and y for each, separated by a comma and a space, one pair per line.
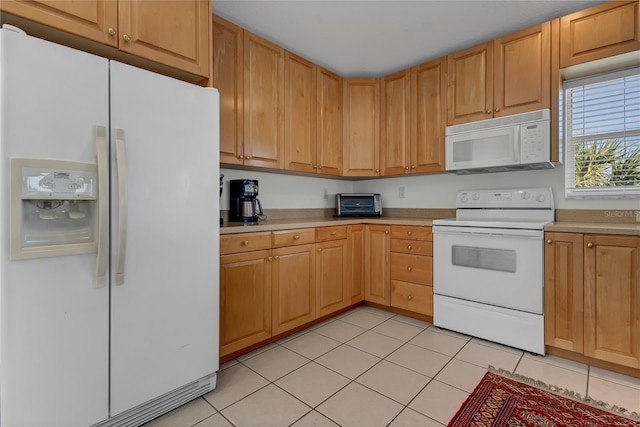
109, 233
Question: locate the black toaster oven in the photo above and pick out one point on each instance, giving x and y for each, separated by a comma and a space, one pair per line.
358, 204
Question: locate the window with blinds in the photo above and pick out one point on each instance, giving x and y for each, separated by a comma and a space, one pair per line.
602, 135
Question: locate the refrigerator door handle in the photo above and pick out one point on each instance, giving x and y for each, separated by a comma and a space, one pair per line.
121, 164
102, 258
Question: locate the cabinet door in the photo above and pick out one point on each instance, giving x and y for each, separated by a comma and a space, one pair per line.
361, 127
429, 116
563, 291
355, 239
263, 103
294, 291
395, 111
612, 299
245, 300
331, 276
601, 31
377, 276
522, 71
329, 124
227, 78
300, 152
470, 84
174, 33
95, 20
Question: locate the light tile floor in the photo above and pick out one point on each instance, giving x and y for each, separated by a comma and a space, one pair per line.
368, 367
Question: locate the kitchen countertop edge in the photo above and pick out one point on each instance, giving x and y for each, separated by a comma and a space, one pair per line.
296, 223
628, 229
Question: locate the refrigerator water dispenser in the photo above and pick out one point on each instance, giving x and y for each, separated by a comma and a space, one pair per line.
53, 210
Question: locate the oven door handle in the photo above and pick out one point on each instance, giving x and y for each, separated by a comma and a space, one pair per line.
482, 231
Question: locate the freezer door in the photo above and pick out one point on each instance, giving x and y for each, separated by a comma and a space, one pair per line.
164, 292
53, 319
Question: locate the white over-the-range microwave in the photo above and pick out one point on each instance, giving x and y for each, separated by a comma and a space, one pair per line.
517, 142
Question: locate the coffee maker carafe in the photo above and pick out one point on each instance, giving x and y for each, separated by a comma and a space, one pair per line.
244, 205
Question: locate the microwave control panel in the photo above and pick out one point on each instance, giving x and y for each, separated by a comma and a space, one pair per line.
534, 141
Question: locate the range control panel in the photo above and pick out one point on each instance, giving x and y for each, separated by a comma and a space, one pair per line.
512, 198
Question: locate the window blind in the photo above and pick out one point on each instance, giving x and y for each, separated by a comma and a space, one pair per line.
602, 135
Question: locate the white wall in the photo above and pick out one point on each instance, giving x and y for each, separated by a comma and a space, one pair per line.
438, 190
279, 191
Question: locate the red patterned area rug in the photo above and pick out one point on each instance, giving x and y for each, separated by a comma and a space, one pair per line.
501, 400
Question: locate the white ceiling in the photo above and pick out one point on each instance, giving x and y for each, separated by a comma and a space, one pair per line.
375, 38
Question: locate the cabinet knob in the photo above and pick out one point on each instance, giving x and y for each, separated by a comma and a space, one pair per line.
386, 231
112, 31
126, 38
269, 258
488, 111
241, 157
409, 247
409, 233
247, 157
276, 257
319, 249
377, 170
409, 297
315, 166
296, 237
589, 245
413, 166
409, 268
245, 243
320, 167
406, 168
549, 241
333, 233
497, 109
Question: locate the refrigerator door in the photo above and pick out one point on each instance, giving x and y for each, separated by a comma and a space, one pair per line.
164, 292
53, 320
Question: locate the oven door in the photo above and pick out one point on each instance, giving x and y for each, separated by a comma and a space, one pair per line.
501, 267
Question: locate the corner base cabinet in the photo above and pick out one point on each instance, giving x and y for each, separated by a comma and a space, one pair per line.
592, 296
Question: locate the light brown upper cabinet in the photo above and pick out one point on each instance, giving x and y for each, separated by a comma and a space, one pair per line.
329, 124
361, 127
228, 60
300, 150
395, 113
601, 31
172, 33
263, 103
413, 111
509, 75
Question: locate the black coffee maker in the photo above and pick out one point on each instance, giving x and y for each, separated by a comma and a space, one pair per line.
244, 205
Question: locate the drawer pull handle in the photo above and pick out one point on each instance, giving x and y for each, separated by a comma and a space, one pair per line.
409, 247
589, 245
409, 297
409, 233
409, 268
549, 241
245, 243
333, 233
296, 237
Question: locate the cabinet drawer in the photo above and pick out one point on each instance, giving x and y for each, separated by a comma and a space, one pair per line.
331, 233
416, 247
412, 297
411, 268
292, 237
410, 232
244, 242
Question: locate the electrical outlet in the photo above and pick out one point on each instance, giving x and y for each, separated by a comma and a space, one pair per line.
401, 192
326, 193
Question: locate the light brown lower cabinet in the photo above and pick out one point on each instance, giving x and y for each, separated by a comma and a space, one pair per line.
294, 290
592, 296
355, 259
377, 277
245, 300
332, 278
